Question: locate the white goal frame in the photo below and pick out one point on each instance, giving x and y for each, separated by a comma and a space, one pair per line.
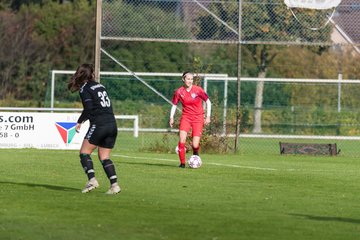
155, 74
337, 81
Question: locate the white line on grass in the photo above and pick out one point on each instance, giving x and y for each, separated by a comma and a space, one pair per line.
216, 164
240, 166
159, 159
236, 166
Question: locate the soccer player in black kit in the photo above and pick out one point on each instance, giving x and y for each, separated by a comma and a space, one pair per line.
102, 130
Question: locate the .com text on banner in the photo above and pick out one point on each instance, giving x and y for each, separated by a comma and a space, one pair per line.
40, 130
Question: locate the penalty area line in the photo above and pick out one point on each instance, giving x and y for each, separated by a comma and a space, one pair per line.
210, 163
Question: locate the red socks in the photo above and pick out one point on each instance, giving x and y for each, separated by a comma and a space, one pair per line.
182, 152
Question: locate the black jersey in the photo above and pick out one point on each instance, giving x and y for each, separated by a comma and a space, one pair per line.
96, 103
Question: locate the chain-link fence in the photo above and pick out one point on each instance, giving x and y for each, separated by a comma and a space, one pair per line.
203, 36
262, 21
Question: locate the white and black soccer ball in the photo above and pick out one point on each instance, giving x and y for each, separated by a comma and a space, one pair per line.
194, 161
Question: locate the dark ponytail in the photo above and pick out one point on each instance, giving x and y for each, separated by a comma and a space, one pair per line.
84, 73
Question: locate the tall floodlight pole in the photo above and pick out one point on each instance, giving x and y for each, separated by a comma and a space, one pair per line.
97, 39
238, 114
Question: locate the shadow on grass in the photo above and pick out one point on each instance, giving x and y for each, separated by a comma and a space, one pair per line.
51, 187
325, 218
151, 164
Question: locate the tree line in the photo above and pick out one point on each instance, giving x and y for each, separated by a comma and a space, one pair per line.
37, 36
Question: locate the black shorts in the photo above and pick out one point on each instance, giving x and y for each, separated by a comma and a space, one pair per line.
102, 135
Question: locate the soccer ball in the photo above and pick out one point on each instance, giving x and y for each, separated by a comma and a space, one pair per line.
194, 161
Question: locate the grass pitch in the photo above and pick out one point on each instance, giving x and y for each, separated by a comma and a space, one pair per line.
230, 197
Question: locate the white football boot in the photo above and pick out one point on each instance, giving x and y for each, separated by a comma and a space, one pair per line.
114, 189
90, 185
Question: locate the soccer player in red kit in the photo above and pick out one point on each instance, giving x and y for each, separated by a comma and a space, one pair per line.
191, 98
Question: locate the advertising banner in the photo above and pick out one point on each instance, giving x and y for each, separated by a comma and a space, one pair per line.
40, 130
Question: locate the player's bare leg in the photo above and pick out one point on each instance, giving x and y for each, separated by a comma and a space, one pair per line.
196, 145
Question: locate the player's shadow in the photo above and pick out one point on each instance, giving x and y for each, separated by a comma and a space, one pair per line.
47, 186
328, 219
151, 164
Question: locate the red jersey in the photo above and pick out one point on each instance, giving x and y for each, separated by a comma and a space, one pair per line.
191, 101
